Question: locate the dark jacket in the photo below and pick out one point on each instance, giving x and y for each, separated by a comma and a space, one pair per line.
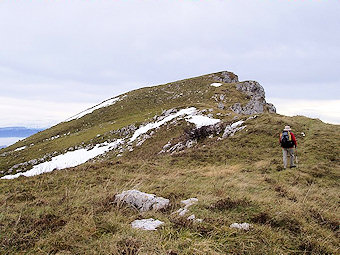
293, 139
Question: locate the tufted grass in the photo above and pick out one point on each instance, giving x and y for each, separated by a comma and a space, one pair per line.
236, 180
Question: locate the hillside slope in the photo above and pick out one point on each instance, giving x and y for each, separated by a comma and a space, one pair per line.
210, 137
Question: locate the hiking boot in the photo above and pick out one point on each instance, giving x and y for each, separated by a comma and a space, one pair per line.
292, 166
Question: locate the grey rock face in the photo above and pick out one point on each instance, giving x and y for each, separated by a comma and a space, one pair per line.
124, 131
252, 107
257, 103
225, 76
271, 108
251, 88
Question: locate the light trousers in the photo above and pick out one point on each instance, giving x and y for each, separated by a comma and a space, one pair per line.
286, 152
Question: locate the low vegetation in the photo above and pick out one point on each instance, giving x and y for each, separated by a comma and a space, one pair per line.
236, 179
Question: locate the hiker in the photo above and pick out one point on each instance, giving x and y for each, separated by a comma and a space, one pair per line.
288, 142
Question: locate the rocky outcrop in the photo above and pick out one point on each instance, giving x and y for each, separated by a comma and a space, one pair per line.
257, 103
225, 76
271, 108
231, 129
251, 88
142, 201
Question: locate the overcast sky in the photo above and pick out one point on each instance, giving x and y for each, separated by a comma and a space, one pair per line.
60, 57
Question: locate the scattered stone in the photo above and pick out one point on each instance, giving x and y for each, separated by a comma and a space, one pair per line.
230, 130
252, 117
182, 211
216, 84
193, 218
190, 143
142, 201
143, 139
189, 202
220, 105
177, 147
147, 224
244, 226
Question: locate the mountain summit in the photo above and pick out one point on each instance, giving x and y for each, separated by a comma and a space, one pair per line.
120, 124
196, 161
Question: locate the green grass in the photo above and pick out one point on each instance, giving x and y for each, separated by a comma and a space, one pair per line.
136, 107
236, 179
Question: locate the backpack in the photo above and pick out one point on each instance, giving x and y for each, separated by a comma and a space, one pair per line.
286, 140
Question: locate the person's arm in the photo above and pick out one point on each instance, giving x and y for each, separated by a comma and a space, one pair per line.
280, 139
294, 140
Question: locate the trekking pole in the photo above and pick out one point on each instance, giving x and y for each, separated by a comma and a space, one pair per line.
296, 158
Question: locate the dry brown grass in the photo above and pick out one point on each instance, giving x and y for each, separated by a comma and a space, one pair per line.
291, 212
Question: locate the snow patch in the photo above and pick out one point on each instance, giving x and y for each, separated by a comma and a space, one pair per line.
192, 116
147, 224
20, 148
146, 128
216, 84
69, 159
101, 105
200, 120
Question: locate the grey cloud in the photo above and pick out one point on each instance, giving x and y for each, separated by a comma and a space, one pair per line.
84, 51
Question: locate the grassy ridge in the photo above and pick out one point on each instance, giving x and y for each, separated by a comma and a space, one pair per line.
235, 179
135, 107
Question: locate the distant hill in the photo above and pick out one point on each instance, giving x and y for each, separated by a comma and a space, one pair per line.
18, 131
2, 146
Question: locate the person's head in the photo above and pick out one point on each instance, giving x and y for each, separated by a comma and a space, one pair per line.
287, 128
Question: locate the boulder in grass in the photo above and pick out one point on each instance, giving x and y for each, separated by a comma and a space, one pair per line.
147, 224
142, 201
244, 226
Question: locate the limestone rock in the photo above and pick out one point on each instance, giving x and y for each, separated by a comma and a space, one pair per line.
142, 201
271, 108
257, 103
225, 76
194, 219
251, 88
244, 226
230, 130
189, 202
220, 105
147, 224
